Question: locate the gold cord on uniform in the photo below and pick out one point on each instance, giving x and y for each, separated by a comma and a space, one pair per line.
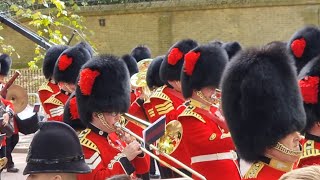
282, 148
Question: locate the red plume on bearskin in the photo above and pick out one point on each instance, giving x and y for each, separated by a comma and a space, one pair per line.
191, 59
74, 109
309, 89
297, 47
174, 56
64, 62
86, 81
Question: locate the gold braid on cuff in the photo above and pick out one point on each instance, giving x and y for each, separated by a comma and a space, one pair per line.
282, 148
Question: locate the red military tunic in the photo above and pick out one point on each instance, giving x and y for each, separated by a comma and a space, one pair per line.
136, 109
268, 169
311, 151
167, 101
103, 155
211, 149
55, 105
46, 90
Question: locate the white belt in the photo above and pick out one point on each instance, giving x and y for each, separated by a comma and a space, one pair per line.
232, 155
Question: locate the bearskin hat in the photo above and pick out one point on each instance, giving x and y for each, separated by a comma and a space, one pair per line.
153, 77
5, 64
103, 86
141, 52
203, 66
71, 114
87, 47
304, 45
232, 48
309, 85
131, 64
171, 65
69, 63
55, 148
50, 59
261, 99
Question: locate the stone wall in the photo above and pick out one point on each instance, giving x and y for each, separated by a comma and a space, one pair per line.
160, 24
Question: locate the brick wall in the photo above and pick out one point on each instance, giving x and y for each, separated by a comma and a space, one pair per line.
159, 24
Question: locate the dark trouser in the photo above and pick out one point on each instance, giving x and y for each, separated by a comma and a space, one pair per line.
11, 143
168, 173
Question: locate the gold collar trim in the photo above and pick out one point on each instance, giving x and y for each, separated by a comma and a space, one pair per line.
198, 104
279, 165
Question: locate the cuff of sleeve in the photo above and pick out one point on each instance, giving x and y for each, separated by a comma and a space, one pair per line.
126, 164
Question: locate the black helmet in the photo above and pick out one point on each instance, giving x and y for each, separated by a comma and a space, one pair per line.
55, 148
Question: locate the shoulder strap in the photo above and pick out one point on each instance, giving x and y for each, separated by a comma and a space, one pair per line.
53, 100
254, 170
189, 111
84, 141
45, 87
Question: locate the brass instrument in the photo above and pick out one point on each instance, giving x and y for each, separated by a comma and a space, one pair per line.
19, 98
167, 144
217, 98
138, 80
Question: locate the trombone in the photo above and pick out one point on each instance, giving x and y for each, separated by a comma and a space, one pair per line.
145, 124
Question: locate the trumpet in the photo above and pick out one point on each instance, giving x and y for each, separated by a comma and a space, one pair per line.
144, 124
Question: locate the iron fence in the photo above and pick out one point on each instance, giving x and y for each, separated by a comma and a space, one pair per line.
30, 79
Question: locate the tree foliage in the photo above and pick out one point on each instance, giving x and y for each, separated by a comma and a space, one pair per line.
49, 19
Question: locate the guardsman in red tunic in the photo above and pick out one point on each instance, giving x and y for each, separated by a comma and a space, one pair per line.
264, 111
210, 146
55, 153
50, 87
65, 72
309, 85
167, 99
8, 143
103, 93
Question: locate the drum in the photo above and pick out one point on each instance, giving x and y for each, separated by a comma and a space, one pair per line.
27, 121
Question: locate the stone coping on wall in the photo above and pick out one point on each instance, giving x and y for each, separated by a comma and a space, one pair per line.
183, 5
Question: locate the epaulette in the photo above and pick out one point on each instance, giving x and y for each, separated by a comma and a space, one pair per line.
45, 87
87, 142
53, 100
158, 93
189, 111
254, 170
309, 150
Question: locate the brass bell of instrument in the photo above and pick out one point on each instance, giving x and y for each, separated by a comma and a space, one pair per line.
18, 97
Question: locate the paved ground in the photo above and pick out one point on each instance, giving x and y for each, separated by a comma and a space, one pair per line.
20, 163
